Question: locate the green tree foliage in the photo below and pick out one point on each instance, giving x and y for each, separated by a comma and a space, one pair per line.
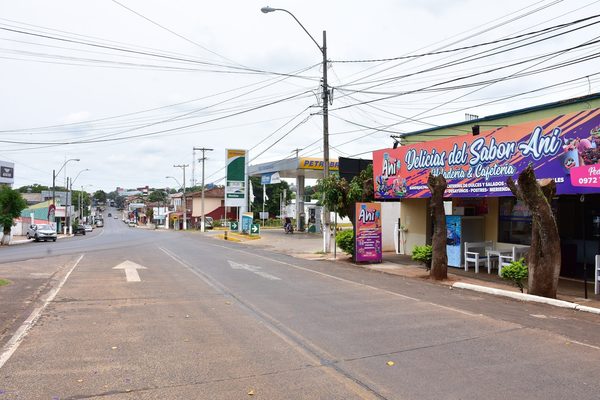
157, 196
35, 188
338, 195
274, 192
100, 196
345, 241
11, 205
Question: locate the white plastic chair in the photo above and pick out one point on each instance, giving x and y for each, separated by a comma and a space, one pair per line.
517, 253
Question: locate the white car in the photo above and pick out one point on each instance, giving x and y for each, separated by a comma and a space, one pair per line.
41, 232
132, 223
88, 227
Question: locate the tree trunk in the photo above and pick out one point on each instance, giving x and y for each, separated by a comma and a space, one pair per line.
544, 253
6, 236
439, 258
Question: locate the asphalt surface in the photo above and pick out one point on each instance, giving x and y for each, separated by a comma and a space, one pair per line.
217, 320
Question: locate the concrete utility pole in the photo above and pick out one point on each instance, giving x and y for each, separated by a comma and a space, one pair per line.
325, 97
203, 150
183, 167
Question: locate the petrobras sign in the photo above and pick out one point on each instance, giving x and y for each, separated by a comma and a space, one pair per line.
565, 148
7, 172
235, 181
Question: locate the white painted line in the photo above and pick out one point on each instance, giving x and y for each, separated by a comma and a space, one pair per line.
131, 274
14, 342
254, 269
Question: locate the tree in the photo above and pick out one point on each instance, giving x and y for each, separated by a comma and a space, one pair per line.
274, 192
338, 195
157, 196
11, 205
100, 196
439, 258
35, 188
544, 253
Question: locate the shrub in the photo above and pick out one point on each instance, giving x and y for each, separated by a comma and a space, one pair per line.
516, 272
422, 254
345, 241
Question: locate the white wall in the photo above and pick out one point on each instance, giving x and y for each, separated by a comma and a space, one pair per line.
390, 212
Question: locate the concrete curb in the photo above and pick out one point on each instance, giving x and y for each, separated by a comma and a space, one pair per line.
526, 297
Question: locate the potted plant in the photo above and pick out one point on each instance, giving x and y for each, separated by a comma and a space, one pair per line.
422, 254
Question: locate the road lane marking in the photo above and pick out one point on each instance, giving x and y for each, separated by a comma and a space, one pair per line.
352, 282
130, 268
14, 342
254, 269
315, 354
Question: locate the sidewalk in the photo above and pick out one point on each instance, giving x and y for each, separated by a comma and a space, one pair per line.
23, 239
309, 246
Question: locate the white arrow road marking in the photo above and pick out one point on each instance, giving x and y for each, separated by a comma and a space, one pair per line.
254, 269
130, 268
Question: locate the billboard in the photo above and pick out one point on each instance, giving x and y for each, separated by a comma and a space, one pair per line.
7, 172
368, 232
235, 186
565, 148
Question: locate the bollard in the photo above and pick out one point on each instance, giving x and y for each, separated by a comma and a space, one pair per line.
225, 235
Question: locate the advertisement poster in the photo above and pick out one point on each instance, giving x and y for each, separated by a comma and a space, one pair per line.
453, 239
235, 186
368, 232
565, 148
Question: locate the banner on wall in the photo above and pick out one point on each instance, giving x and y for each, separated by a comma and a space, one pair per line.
235, 186
368, 233
565, 148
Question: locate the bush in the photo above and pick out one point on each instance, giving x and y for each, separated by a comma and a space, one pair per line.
345, 241
423, 255
517, 272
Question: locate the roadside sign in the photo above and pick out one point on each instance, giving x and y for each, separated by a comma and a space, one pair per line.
263, 215
254, 229
234, 226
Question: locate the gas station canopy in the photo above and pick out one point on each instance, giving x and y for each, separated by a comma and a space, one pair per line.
309, 168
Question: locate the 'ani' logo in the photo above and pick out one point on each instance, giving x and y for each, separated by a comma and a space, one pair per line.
366, 216
389, 167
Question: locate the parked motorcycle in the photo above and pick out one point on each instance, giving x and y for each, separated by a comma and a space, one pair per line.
287, 226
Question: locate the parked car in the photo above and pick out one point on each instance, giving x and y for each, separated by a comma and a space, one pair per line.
99, 223
109, 215
79, 230
88, 227
41, 232
132, 223
208, 223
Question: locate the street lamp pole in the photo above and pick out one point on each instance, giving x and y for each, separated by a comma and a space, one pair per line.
54, 175
70, 197
325, 97
183, 167
203, 150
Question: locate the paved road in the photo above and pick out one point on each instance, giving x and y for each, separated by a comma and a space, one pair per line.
216, 320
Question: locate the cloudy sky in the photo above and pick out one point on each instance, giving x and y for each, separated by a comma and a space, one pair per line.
130, 87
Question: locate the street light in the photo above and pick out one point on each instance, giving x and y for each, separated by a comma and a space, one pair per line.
325, 97
70, 199
54, 175
183, 200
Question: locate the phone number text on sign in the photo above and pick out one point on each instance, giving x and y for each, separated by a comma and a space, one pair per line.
588, 176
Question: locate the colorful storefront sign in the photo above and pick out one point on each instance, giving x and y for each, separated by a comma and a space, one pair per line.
565, 148
368, 232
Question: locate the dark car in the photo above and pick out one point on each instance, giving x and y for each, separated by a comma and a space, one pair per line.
79, 230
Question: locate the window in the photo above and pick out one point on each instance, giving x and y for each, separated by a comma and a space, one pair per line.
514, 221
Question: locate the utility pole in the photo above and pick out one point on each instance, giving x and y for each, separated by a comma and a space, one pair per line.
326, 216
183, 167
203, 150
193, 180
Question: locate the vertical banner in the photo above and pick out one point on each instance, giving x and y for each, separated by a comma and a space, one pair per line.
453, 240
368, 232
235, 186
